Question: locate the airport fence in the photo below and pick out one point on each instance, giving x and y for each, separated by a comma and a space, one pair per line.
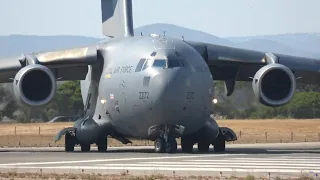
37, 136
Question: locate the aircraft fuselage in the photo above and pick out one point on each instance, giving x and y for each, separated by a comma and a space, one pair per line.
153, 80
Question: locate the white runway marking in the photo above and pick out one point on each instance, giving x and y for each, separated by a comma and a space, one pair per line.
110, 160
280, 159
213, 166
184, 164
265, 160
229, 162
191, 169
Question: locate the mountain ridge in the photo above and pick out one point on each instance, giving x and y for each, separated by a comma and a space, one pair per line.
299, 44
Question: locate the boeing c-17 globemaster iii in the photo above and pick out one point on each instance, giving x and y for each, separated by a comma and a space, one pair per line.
152, 87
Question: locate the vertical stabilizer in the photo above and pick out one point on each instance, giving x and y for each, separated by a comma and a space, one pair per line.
117, 18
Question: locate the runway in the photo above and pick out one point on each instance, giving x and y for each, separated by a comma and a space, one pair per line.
238, 160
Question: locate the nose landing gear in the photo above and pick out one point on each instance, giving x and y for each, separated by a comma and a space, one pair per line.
165, 146
165, 141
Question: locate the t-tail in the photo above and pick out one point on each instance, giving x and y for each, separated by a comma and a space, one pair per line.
117, 20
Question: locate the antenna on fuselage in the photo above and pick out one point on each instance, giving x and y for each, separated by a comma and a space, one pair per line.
141, 33
164, 33
182, 37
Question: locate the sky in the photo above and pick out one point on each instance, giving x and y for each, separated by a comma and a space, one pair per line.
223, 18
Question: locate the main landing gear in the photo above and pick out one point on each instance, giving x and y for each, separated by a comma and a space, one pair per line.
102, 145
71, 142
203, 142
220, 144
187, 144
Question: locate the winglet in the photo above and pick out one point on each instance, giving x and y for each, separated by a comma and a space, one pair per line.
117, 20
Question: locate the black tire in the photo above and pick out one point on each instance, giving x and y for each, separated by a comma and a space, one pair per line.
220, 144
69, 143
171, 146
85, 147
159, 145
186, 145
102, 145
203, 146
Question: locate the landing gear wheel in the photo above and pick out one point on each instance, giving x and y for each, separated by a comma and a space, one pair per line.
186, 145
102, 145
69, 143
220, 144
159, 145
85, 147
203, 146
171, 145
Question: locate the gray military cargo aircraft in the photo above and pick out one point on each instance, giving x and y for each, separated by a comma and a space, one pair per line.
152, 87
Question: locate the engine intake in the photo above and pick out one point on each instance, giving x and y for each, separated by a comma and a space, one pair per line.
34, 85
274, 85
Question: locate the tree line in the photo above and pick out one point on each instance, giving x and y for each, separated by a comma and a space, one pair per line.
66, 102
240, 105
243, 104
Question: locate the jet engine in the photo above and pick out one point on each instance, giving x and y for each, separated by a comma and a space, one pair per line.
274, 85
34, 85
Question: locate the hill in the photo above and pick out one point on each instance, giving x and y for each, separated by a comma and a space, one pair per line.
295, 44
305, 44
178, 32
17, 44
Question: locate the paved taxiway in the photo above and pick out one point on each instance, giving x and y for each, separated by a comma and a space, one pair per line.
239, 160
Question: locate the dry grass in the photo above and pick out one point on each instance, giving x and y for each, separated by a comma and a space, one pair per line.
124, 176
248, 131
25, 176
272, 130
94, 176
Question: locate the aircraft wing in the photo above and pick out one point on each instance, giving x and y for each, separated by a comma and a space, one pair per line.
68, 64
229, 63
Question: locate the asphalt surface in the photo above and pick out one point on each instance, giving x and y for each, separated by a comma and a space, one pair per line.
289, 160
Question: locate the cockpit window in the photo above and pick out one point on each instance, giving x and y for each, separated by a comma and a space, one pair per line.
173, 63
159, 63
140, 64
147, 64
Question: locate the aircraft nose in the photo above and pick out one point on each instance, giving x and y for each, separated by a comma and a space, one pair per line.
175, 88
170, 89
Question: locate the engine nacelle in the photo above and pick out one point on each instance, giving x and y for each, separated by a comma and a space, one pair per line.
34, 85
274, 85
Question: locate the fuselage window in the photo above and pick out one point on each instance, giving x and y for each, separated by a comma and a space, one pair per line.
147, 64
140, 64
159, 63
173, 63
